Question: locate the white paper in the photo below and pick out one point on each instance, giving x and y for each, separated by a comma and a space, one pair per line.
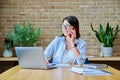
89, 71
77, 70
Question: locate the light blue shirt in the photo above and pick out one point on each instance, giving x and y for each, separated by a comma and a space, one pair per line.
68, 57
57, 47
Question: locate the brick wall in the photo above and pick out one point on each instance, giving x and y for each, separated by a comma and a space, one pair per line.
48, 14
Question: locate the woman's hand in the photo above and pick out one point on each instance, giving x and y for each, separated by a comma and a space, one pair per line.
73, 36
72, 42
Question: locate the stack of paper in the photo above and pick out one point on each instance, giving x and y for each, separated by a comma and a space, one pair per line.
89, 71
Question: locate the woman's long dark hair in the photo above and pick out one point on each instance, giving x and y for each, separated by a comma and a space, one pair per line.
74, 22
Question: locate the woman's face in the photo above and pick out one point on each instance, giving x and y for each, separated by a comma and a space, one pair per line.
66, 27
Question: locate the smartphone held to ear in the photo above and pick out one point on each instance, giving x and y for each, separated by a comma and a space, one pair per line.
70, 35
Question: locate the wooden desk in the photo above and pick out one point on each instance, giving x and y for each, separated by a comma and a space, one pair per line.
16, 73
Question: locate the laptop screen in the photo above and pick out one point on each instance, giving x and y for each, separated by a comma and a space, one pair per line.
31, 57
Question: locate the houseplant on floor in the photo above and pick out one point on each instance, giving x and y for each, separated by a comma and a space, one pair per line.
106, 37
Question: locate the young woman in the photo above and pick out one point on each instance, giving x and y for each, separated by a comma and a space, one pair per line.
69, 47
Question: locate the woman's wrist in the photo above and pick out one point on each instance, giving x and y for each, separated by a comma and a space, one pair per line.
74, 45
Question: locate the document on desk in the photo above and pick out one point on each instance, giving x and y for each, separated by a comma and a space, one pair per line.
98, 66
89, 71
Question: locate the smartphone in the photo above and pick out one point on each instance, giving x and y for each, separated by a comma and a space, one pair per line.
70, 35
72, 29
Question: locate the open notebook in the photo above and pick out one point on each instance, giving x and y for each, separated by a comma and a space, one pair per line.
32, 57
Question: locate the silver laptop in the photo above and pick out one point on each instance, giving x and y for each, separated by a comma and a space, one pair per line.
32, 57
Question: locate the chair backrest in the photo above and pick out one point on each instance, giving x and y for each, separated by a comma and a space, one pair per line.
50, 61
86, 61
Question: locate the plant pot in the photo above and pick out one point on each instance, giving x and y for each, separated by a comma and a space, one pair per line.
101, 53
7, 53
107, 51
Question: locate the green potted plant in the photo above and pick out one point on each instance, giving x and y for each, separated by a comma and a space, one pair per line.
24, 35
99, 35
106, 38
8, 45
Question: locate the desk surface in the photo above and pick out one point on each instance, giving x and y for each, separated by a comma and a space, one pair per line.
16, 73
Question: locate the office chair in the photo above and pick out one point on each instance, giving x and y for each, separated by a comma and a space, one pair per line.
86, 61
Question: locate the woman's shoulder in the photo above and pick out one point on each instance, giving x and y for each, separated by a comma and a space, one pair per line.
58, 37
